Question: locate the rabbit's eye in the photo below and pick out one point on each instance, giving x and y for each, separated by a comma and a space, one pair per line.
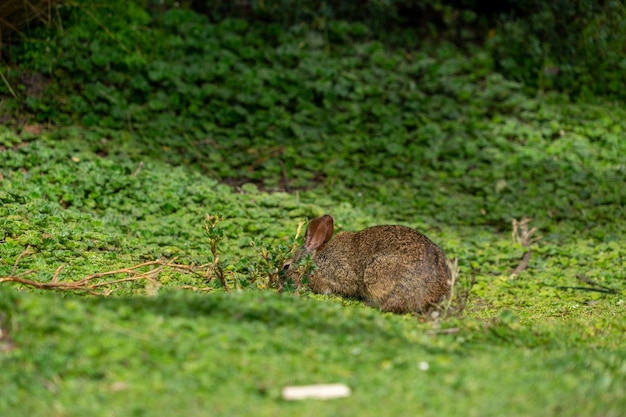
286, 266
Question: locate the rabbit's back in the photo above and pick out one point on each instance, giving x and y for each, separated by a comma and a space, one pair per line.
394, 239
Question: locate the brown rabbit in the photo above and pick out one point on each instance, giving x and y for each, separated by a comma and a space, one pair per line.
394, 268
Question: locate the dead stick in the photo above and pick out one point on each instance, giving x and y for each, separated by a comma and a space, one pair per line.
55, 277
86, 286
27, 251
285, 176
119, 281
451, 330
523, 263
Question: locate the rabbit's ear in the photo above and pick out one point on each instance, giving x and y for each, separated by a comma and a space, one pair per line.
320, 231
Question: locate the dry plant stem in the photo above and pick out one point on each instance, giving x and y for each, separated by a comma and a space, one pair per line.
285, 176
8, 85
523, 263
453, 265
17, 14
26, 252
219, 272
523, 235
460, 290
273, 275
301, 271
216, 266
594, 286
222, 277
134, 174
198, 289
87, 284
55, 276
451, 330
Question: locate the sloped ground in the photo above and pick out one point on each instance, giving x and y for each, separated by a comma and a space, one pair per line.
125, 164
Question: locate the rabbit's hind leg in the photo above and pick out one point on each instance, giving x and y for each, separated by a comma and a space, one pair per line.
389, 285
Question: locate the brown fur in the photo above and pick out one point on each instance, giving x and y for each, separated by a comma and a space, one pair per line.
392, 267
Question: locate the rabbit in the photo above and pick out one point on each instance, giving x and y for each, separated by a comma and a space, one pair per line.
394, 268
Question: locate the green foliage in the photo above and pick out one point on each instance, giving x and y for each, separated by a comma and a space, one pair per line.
573, 47
93, 213
292, 108
315, 12
576, 47
147, 119
232, 354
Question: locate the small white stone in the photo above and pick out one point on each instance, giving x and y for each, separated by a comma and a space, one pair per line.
316, 392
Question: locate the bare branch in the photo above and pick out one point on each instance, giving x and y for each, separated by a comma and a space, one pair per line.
55, 277
523, 263
26, 252
522, 235
92, 284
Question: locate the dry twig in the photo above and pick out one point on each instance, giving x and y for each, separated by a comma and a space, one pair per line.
592, 286
521, 234
94, 285
450, 330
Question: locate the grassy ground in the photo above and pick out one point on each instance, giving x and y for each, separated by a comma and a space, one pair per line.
524, 346
435, 140
231, 354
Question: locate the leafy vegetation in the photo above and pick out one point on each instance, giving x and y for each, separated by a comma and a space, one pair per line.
231, 354
575, 47
170, 153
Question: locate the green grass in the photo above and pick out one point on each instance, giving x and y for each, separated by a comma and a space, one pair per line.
523, 347
434, 139
232, 354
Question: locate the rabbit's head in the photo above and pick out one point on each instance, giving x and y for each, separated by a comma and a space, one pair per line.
319, 231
